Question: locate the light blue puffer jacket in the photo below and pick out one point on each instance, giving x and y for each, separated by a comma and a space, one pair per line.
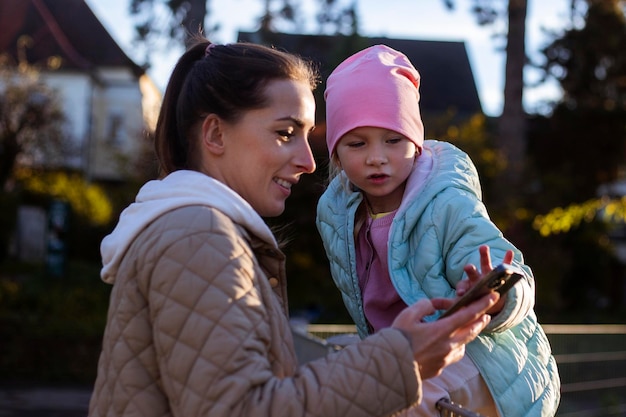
436, 231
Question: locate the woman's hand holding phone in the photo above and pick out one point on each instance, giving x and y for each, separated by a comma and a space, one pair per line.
439, 343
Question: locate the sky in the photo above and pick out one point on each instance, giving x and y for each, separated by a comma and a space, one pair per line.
403, 19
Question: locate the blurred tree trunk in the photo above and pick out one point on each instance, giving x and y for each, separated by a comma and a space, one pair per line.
511, 139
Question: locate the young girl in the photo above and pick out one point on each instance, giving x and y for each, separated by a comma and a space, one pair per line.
402, 220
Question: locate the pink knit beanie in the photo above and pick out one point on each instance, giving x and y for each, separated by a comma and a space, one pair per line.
376, 87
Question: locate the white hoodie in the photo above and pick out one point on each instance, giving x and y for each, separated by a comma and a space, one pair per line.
178, 189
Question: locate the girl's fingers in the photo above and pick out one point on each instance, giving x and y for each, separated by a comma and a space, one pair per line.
508, 257
485, 259
462, 287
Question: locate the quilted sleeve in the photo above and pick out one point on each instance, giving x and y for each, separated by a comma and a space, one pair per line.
464, 224
375, 377
211, 325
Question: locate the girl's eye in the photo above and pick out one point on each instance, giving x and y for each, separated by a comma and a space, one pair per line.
394, 140
355, 144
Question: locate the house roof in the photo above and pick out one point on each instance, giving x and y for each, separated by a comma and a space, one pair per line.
447, 80
64, 28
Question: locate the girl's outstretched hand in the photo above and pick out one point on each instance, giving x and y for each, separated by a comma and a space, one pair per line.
442, 342
473, 275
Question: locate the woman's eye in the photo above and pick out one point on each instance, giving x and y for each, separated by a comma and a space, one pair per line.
285, 134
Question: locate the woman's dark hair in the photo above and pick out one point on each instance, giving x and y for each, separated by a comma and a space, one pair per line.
225, 80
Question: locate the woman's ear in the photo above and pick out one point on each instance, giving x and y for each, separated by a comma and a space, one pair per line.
212, 134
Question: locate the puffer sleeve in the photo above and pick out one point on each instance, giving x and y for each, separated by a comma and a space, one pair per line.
213, 337
463, 221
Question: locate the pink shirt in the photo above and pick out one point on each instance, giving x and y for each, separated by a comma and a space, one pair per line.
380, 299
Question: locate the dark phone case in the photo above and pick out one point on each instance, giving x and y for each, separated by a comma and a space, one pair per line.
500, 279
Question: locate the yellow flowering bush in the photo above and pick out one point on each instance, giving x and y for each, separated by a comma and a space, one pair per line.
86, 199
563, 219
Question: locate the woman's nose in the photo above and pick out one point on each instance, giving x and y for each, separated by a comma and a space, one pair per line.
304, 158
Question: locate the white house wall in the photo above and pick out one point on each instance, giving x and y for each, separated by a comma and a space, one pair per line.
118, 126
74, 91
105, 120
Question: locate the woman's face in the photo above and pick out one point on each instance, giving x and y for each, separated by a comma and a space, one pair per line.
267, 149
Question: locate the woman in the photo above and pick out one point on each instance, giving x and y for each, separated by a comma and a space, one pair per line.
197, 323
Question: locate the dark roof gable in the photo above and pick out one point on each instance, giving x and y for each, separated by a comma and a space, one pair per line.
64, 28
447, 80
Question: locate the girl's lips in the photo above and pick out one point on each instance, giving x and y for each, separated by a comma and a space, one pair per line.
374, 176
377, 178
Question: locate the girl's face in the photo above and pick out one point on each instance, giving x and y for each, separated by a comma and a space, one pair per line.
378, 161
266, 150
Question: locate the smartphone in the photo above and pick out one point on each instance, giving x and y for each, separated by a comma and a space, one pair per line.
500, 279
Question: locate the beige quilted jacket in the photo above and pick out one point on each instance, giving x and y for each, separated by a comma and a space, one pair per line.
197, 326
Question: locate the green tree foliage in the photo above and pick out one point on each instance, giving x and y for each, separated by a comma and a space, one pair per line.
169, 21
177, 21
87, 200
337, 18
474, 136
31, 132
51, 329
31, 121
576, 150
590, 64
589, 61
581, 145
